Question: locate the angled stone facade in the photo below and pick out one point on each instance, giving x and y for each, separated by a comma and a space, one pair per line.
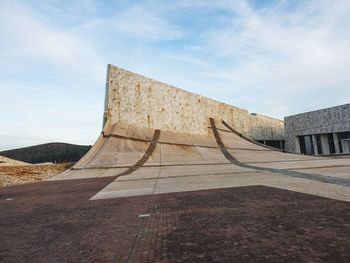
144, 102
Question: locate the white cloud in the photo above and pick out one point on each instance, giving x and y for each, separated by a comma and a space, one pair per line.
281, 59
284, 58
140, 22
51, 81
27, 35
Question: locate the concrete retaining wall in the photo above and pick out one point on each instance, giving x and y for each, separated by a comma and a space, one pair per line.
144, 102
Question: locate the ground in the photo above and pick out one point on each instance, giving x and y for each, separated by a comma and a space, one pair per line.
56, 222
143, 195
20, 174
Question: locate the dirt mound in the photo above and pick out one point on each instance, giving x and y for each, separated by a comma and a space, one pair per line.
20, 174
4, 161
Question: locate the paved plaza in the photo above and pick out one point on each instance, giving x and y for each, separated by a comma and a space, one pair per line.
145, 195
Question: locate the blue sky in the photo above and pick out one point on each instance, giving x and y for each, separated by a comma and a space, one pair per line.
272, 57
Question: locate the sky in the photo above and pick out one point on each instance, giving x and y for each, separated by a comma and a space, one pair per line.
276, 58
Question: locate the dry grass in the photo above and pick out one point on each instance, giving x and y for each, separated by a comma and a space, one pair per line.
12, 175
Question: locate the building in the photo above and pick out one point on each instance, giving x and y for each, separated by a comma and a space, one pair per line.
320, 132
147, 103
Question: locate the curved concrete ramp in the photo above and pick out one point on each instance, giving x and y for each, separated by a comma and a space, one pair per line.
142, 161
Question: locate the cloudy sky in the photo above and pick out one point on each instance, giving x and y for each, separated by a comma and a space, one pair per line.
272, 57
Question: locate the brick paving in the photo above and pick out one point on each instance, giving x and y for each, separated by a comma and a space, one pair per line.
56, 222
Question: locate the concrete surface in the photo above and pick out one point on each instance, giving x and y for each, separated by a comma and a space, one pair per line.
182, 162
212, 198
55, 221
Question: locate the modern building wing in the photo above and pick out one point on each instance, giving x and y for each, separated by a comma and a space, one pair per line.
321, 132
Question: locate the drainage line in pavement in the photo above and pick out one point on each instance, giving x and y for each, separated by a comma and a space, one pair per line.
146, 156
141, 230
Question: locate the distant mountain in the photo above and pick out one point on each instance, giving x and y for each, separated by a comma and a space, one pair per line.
49, 152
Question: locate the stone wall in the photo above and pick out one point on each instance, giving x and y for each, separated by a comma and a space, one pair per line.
145, 102
335, 119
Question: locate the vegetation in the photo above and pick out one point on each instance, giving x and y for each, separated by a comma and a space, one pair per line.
49, 152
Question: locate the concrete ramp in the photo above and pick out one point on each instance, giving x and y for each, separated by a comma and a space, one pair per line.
144, 161
122, 149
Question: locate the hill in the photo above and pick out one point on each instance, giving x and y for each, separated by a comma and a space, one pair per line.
49, 152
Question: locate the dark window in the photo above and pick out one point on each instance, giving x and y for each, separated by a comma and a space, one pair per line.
302, 144
340, 144
306, 145
309, 145
319, 144
331, 143
342, 136
273, 143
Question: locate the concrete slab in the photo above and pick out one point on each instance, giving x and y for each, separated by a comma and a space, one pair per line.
181, 162
172, 184
88, 173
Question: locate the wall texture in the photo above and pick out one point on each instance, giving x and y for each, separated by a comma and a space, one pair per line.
141, 101
335, 119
